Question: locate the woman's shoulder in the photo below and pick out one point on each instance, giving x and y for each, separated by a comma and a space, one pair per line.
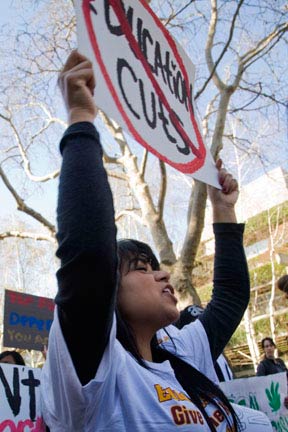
279, 360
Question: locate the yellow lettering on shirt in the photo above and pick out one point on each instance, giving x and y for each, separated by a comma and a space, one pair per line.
166, 394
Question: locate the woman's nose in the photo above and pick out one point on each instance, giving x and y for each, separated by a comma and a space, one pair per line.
161, 275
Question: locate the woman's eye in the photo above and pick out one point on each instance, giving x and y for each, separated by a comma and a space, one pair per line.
140, 268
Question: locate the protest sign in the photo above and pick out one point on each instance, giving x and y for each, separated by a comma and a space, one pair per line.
144, 81
20, 399
27, 320
264, 394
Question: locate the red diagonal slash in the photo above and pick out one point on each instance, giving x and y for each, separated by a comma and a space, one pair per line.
200, 152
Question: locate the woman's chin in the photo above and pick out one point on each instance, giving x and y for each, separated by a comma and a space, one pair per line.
172, 316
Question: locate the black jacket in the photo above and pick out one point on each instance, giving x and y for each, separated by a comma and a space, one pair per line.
270, 367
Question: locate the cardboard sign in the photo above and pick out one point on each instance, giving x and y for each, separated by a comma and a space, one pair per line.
27, 320
144, 81
20, 399
264, 394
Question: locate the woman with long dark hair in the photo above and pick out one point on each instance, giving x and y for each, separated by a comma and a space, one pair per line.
105, 370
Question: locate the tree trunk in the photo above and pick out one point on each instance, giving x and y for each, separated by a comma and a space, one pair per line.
251, 339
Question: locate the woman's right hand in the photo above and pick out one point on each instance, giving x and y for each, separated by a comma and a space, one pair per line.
77, 83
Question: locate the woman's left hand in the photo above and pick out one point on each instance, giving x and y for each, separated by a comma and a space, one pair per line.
223, 200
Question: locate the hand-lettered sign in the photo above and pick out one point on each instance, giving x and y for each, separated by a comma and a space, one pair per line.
144, 81
20, 409
265, 394
27, 320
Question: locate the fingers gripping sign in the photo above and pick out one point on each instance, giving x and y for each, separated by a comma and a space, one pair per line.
77, 84
223, 200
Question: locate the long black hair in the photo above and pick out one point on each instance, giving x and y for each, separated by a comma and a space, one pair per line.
199, 388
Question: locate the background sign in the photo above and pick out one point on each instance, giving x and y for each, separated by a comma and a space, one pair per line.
20, 399
144, 81
264, 394
27, 320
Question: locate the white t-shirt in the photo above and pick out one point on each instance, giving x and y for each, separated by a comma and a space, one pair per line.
225, 368
172, 331
124, 396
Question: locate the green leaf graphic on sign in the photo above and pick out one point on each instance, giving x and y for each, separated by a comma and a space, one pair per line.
253, 402
273, 397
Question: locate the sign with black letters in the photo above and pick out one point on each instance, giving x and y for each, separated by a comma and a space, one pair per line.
20, 409
144, 81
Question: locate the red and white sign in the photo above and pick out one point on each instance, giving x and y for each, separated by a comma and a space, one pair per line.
144, 81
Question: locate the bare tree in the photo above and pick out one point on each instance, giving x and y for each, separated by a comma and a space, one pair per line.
237, 51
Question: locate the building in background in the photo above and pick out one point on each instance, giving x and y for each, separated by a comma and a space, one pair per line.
265, 201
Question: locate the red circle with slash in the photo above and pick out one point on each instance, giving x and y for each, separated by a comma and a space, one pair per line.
198, 151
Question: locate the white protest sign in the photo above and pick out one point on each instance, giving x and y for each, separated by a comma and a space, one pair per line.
20, 399
264, 394
144, 81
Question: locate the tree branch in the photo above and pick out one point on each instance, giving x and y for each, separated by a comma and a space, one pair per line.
209, 111
109, 159
116, 132
173, 15
143, 164
130, 213
26, 235
26, 162
251, 55
162, 191
208, 51
260, 93
119, 176
21, 206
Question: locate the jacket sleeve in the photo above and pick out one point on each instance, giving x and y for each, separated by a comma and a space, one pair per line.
87, 249
231, 287
283, 365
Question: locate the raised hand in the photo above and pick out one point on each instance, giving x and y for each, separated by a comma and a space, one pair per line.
223, 200
77, 83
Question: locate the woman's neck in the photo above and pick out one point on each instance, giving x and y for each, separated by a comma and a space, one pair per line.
270, 358
143, 340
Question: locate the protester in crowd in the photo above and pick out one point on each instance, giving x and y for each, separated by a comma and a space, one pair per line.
270, 365
12, 357
221, 365
115, 306
282, 284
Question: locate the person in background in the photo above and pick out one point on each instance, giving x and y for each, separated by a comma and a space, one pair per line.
221, 365
282, 284
270, 365
12, 357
